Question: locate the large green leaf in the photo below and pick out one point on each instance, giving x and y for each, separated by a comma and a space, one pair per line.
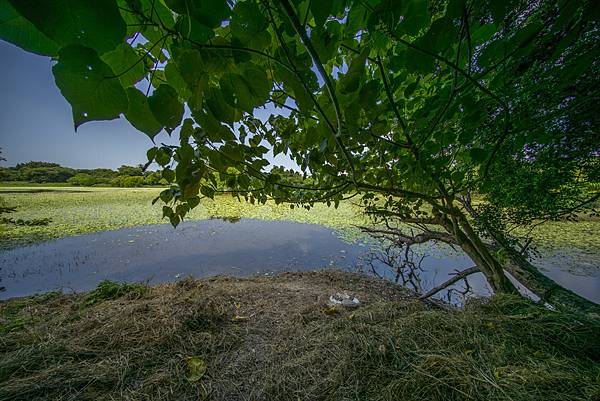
166, 107
126, 63
258, 83
236, 92
320, 10
247, 20
208, 12
191, 29
415, 17
246, 92
351, 81
96, 24
440, 36
175, 79
16, 29
219, 107
139, 113
89, 85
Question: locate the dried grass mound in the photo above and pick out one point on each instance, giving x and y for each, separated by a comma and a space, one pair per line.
276, 338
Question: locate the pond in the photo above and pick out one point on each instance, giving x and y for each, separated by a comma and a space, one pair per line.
159, 253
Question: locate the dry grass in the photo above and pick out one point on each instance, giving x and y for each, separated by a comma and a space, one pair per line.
273, 338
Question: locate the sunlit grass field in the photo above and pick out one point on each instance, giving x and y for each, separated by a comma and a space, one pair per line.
77, 210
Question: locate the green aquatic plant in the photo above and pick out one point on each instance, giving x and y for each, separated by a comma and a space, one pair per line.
107, 289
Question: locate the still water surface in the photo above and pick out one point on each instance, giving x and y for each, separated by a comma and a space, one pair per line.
159, 253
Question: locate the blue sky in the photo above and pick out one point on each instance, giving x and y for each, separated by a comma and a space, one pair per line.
36, 123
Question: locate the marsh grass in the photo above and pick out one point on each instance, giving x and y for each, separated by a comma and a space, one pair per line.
274, 339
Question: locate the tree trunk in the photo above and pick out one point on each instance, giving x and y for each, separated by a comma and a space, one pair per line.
473, 246
487, 263
544, 287
527, 274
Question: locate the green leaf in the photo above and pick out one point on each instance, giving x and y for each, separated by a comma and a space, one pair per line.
321, 10
410, 89
207, 191
350, 82
478, 155
16, 29
151, 154
440, 36
191, 65
89, 85
174, 220
232, 152
175, 79
492, 53
126, 63
455, 8
163, 157
247, 20
219, 108
417, 62
216, 131
167, 211
96, 24
236, 92
193, 202
207, 12
258, 83
168, 174
499, 9
483, 33
193, 30
139, 113
416, 17
196, 368
166, 107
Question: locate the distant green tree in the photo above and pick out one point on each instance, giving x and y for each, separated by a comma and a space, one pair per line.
102, 174
8, 174
45, 174
126, 181
83, 179
153, 178
131, 170
34, 164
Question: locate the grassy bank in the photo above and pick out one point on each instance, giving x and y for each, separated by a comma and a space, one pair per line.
275, 338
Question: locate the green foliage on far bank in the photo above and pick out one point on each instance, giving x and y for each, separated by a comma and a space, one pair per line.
54, 174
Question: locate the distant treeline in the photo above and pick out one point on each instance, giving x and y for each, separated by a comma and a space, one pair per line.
124, 176
44, 172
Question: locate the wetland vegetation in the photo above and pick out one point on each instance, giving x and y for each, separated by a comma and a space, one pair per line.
76, 210
463, 125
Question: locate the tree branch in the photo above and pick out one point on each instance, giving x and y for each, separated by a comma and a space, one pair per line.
400, 238
457, 277
300, 31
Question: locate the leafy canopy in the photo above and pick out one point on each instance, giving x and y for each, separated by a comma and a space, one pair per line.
419, 100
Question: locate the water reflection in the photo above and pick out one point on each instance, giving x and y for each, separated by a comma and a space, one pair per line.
229, 219
159, 253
